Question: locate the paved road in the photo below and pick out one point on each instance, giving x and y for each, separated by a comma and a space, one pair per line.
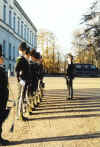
58, 122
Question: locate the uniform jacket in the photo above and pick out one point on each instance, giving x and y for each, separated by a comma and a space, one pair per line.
41, 71
3, 78
22, 69
33, 70
4, 93
70, 71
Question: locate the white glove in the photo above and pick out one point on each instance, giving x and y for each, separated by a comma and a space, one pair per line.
22, 82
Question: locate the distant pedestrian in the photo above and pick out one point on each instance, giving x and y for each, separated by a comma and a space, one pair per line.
70, 76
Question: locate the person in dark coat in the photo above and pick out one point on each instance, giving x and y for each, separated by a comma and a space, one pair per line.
34, 75
4, 94
22, 74
34, 72
26, 100
70, 76
41, 73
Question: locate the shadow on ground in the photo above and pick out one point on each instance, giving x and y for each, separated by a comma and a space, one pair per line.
58, 138
55, 102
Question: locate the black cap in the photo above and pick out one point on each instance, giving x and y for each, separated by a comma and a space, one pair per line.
70, 55
23, 46
0, 50
32, 52
38, 55
35, 54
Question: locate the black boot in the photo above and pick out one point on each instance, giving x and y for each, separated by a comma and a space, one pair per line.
3, 142
3, 116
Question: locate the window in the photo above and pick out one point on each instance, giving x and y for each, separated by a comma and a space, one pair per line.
10, 67
14, 22
25, 32
4, 48
86, 66
4, 13
9, 53
6, 1
10, 18
18, 26
22, 28
13, 52
30, 37
92, 66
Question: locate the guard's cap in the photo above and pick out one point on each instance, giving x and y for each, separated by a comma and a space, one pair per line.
70, 55
35, 54
23, 46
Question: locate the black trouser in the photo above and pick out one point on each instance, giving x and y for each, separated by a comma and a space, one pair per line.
70, 88
33, 86
3, 116
3, 102
31, 89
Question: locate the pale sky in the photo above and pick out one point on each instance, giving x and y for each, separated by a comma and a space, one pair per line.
62, 17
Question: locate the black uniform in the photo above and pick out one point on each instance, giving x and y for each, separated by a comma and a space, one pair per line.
22, 73
4, 93
22, 69
41, 75
41, 72
34, 76
69, 80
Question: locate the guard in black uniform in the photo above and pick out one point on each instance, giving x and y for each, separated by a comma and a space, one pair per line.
34, 69
41, 76
26, 99
70, 76
34, 75
22, 73
41, 73
4, 93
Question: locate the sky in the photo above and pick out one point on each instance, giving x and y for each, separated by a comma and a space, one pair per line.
62, 17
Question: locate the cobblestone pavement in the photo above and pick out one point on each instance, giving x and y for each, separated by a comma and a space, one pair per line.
58, 122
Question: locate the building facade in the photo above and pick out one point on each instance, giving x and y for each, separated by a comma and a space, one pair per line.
15, 27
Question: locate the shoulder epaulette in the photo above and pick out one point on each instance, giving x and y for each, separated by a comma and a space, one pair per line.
18, 59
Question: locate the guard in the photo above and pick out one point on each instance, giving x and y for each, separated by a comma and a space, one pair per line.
22, 73
70, 76
4, 93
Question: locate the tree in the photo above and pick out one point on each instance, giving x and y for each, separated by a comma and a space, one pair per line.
48, 46
89, 40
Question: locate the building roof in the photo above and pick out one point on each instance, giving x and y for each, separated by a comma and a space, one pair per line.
24, 14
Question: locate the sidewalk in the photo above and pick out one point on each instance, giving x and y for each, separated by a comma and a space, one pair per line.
61, 123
